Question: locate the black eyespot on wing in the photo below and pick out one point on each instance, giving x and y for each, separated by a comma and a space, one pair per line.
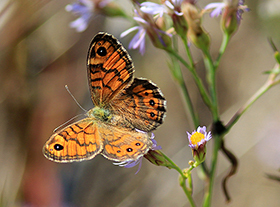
152, 114
101, 51
58, 147
129, 149
152, 102
137, 144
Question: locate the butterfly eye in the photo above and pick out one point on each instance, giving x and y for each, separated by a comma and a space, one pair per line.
102, 51
58, 147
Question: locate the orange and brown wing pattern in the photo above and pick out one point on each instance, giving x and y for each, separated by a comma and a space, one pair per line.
76, 142
110, 68
141, 105
124, 145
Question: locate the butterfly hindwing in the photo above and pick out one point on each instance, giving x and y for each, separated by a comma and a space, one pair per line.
125, 145
142, 105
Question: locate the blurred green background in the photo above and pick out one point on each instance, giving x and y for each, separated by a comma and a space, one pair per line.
40, 54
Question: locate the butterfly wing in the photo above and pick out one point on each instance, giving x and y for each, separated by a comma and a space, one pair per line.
124, 145
141, 105
110, 68
76, 142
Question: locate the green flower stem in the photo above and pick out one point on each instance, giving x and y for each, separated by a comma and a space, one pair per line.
209, 192
185, 41
178, 76
223, 47
182, 180
270, 82
211, 76
198, 81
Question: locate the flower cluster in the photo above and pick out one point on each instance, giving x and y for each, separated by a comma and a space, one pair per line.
153, 20
147, 25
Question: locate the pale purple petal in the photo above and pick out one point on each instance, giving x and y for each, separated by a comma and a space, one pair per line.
79, 24
139, 19
138, 41
171, 6
126, 32
178, 13
153, 8
130, 164
155, 146
218, 8
201, 130
142, 47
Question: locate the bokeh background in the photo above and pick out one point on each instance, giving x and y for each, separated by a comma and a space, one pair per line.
40, 54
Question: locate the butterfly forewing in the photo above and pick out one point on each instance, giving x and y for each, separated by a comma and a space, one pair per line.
76, 142
110, 68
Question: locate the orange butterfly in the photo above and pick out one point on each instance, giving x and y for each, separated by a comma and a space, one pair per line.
126, 108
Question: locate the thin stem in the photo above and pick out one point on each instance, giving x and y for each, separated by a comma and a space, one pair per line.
189, 103
195, 76
209, 192
182, 180
178, 76
211, 76
185, 41
223, 47
255, 97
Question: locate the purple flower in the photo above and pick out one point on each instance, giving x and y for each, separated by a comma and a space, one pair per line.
218, 8
84, 9
132, 163
197, 142
198, 137
153, 8
169, 7
138, 41
147, 26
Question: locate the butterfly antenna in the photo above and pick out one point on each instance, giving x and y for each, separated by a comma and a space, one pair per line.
62, 125
75, 99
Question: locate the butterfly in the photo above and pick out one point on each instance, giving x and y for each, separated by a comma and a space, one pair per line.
125, 110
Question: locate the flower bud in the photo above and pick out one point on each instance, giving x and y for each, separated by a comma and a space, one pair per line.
195, 33
113, 10
157, 158
229, 21
180, 25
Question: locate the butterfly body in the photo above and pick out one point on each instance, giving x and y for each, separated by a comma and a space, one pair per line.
126, 109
